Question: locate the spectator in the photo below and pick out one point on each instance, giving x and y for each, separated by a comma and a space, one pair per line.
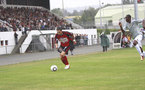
4, 28
86, 39
16, 38
81, 40
1, 28
77, 38
125, 42
36, 18
104, 42
23, 29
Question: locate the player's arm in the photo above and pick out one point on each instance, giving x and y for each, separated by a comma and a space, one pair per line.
143, 24
56, 45
139, 21
72, 37
121, 28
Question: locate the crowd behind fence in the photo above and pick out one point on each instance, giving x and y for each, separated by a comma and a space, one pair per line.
18, 18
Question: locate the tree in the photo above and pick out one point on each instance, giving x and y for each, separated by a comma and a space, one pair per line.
77, 21
126, 1
88, 20
57, 11
85, 18
60, 12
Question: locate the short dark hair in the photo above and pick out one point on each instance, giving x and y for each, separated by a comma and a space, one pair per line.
128, 15
59, 28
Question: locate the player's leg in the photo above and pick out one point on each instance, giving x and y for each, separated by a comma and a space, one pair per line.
64, 57
64, 60
62, 54
138, 45
131, 44
139, 49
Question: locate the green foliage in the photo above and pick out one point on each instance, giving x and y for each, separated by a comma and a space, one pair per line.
87, 18
64, 13
107, 31
57, 11
77, 20
88, 15
115, 70
76, 13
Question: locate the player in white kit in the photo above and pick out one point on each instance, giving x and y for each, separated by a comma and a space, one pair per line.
134, 29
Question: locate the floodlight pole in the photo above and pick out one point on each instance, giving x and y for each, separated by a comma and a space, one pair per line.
135, 10
144, 8
100, 14
63, 8
122, 10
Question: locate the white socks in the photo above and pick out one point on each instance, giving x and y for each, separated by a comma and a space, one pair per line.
139, 50
144, 53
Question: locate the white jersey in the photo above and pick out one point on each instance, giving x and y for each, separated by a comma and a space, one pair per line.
125, 40
133, 28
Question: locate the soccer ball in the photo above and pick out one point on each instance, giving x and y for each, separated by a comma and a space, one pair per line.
53, 68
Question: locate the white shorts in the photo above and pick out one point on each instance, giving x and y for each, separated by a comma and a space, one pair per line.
138, 39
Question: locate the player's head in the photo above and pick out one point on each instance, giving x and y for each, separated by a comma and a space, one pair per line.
128, 18
59, 30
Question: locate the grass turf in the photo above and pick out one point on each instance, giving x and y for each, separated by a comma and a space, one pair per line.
114, 70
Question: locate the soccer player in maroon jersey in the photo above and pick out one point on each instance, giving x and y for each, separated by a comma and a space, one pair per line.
64, 38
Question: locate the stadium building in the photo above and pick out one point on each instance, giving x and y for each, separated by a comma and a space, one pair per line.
112, 14
35, 27
43, 3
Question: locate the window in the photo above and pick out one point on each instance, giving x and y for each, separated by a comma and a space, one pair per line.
6, 42
94, 36
110, 23
2, 43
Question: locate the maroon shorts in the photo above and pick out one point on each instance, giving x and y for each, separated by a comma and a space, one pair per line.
65, 49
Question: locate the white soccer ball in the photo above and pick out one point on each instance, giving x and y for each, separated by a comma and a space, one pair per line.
53, 68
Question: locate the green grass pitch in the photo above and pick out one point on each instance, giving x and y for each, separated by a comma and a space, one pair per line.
114, 70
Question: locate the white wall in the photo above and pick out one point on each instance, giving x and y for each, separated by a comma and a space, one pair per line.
11, 43
9, 36
89, 32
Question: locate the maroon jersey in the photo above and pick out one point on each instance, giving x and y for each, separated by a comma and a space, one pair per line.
64, 38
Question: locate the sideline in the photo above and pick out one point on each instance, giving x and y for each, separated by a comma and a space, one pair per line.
27, 57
